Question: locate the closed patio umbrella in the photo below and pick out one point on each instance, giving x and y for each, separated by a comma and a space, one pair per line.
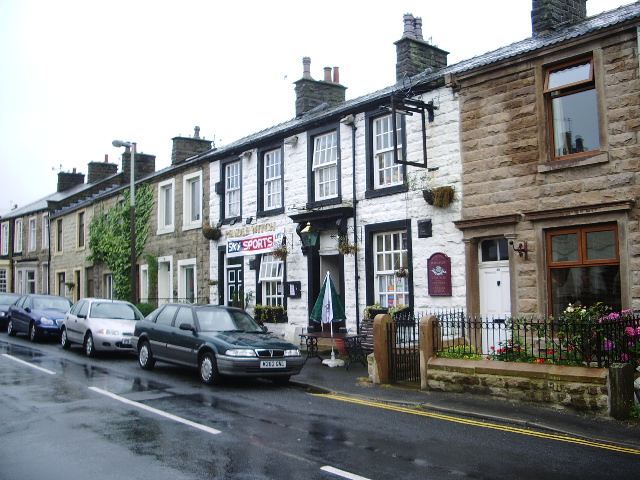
328, 309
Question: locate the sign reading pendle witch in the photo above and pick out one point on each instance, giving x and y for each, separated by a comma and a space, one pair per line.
253, 244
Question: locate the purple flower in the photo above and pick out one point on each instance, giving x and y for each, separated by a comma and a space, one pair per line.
609, 345
630, 331
624, 357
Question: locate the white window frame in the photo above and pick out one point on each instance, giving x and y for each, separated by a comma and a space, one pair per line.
390, 290
166, 206
271, 280
44, 284
17, 246
183, 265
144, 283
233, 189
192, 199
109, 291
32, 234
45, 230
325, 165
5, 238
387, 172
272, 179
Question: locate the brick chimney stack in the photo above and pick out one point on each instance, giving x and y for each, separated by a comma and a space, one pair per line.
185, 147
101, 170
312, 93
550, 15
144, 164
414, 54
67, 180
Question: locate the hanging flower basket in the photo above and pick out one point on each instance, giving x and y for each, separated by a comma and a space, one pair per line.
280, 252
402, 272
440, 197
346, 248
211, 233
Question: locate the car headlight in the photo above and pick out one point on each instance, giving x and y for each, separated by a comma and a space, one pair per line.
292, 353
239, 352
104, 331
46, 321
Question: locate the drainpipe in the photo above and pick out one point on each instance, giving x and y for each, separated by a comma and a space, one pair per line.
355, 229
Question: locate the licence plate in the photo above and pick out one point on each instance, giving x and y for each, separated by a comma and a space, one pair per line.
273, 364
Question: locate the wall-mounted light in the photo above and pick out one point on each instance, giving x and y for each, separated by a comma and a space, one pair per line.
522, 249
293, 141
249, 220
308, 236
219, 224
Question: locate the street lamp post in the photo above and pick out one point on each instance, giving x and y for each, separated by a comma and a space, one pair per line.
134, 277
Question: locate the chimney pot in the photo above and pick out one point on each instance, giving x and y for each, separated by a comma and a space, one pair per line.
327, 74
306, 67
418, 28
409, 22
336, 75
196, 132
106, 158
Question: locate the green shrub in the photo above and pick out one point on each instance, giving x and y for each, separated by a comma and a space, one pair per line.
467, 352
269, 313
146, 308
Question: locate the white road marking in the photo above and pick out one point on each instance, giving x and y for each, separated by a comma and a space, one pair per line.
28, 364
156, 411
342, 473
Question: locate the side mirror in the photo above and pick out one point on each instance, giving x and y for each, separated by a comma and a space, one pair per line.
28, 310
82, 315
265, 329
187, 326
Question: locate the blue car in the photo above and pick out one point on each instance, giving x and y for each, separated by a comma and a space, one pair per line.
6, 299
37, 315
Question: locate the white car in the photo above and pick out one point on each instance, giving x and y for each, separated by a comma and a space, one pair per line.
100, 324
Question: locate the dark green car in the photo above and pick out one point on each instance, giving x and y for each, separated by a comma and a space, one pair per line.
219, 341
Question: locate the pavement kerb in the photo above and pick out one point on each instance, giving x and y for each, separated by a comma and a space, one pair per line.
452, 411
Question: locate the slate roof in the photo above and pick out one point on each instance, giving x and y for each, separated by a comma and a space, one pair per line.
604, 20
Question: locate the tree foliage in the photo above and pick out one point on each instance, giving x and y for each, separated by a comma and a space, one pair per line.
110, 237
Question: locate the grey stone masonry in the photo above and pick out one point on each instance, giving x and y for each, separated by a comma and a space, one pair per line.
145, 164
312, 93
415, 56
549, 15
69, 179
185, 147
101, 170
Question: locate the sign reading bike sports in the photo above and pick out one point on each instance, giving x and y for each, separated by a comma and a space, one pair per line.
253, 244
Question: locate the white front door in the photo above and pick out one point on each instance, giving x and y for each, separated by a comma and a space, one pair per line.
495, 293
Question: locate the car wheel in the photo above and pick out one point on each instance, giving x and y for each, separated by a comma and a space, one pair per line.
10, 330
33, 333
209, 369
64, 341
145, 356
283, 380
89, 347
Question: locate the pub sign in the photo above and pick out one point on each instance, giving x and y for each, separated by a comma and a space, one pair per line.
439, 274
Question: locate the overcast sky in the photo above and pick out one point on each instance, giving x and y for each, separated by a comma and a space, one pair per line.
77, 74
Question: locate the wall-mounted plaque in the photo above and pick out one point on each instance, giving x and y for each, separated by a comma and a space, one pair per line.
439, 273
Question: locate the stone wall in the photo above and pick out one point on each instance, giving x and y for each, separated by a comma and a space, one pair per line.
578, 388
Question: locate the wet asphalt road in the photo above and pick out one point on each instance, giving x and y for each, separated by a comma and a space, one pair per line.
64, 416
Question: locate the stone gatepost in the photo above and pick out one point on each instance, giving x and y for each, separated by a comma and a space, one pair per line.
429, 335
381, 348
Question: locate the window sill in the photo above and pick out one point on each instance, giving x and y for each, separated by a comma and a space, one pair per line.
324, 203
595, 159
191, 226
164, 231
270, 213
385, 191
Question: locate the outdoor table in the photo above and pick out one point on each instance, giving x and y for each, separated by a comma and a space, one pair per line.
352, 342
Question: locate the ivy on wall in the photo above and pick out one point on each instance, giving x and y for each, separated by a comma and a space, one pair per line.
109, 237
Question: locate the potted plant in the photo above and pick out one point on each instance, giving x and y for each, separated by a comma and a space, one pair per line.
211, 233
401, 312
269, 313
70, 285
370, 311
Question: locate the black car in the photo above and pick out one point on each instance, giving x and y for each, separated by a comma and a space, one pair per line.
37, 315
219, 341
6, 299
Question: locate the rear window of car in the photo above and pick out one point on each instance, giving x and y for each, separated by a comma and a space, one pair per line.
8, 299
46, 303
120, 311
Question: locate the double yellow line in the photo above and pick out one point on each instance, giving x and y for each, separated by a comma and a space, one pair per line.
465, 421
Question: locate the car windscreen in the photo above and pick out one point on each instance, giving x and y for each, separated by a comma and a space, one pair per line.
119, 311
51, 303
218, 320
